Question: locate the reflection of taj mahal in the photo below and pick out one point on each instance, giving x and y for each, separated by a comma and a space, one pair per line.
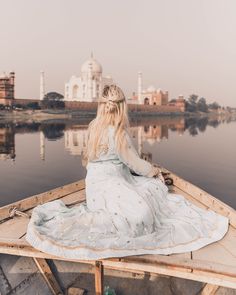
145, 137
75, 139
89, 85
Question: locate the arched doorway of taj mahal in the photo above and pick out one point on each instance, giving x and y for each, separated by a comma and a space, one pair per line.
146, 100
75, 91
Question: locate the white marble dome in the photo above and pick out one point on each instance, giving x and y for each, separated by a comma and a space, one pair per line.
3, 76
88, 86
96, 67
151, 88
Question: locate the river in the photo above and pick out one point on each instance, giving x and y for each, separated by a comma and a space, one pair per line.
36, 157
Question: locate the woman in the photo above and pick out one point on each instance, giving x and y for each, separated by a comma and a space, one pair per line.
123, 214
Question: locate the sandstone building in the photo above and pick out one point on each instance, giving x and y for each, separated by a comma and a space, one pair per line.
7, 85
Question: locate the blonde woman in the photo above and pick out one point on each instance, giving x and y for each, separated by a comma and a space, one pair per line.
123, 214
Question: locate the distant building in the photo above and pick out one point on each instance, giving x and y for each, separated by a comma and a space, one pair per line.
88, 87
149, 96
7, 86
179, 102
42, 86
154, 96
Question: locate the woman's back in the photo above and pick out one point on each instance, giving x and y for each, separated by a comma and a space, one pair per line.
107, 149
126, 154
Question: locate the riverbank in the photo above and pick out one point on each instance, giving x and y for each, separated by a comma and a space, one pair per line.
42, 115
36, 115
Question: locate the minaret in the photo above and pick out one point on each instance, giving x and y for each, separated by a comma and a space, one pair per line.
42, 86
42, 146
90, 82
12, 82
140, 78
140, 142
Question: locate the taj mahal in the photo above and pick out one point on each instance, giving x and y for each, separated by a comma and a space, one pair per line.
89, 85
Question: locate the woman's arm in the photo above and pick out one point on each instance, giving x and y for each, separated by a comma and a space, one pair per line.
130, 157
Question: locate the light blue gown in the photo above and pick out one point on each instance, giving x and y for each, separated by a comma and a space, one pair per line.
123, 214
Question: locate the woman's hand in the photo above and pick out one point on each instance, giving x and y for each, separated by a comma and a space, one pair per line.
161, 177
158, 174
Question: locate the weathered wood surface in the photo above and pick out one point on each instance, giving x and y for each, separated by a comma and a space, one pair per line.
224, 251
16, 227
13, 228
33, 201
214, 264
75, 291
209, 289
173, 265
204, 198
99, 275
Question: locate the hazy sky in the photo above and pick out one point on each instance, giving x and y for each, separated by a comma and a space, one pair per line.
184, 46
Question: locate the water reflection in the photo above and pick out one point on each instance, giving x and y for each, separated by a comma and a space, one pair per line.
75, 140
7, 142
148, 130
53, 131
48, 154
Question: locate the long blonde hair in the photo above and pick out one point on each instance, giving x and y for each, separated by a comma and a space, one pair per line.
112, 110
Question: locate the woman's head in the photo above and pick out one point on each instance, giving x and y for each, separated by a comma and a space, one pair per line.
112, 110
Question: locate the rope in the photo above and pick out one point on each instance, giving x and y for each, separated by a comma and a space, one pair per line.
15, 212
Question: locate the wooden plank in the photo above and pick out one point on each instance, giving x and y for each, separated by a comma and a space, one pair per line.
223, 252
48, 276
22, 248
207, 277
229, 242
33, 201
74, 198
205, 198
209, 289
99, 274
187, 256
75, 291
170, 261
13, 228
177, 261
207, 272
16, 227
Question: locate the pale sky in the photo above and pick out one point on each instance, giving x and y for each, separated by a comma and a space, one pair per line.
183, 46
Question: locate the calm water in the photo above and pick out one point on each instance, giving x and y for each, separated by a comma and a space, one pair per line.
38, 157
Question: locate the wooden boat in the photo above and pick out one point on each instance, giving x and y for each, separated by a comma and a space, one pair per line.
213, 265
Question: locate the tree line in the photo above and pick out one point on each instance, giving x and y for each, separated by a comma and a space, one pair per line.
195, 104
51, 100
